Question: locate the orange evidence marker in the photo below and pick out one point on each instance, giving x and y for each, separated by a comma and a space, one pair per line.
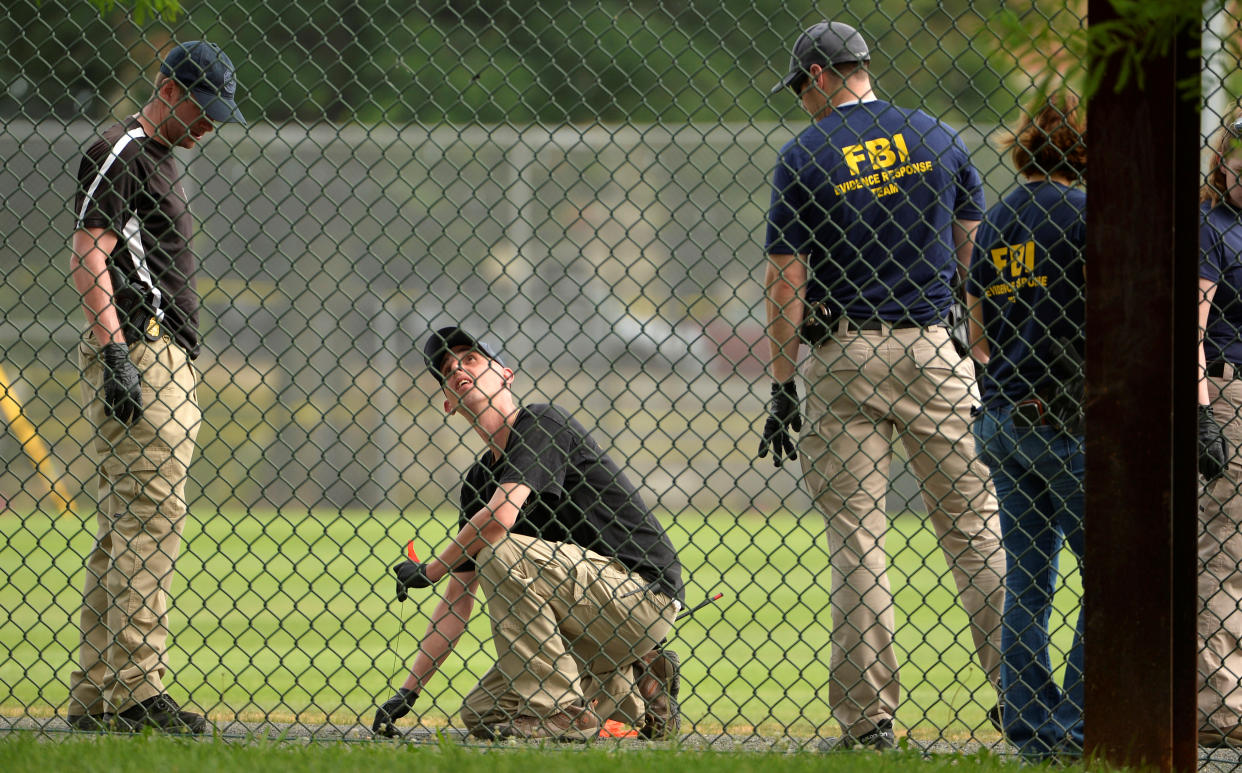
409, 551
614, 729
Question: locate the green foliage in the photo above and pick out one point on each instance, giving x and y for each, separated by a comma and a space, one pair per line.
544, 61
143, 9
1144, 30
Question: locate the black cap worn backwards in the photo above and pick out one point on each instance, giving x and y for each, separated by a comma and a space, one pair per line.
445, 340
829, 42
208, 74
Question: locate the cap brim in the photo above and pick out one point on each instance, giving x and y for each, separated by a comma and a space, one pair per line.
784, 82
217, 108
446, 340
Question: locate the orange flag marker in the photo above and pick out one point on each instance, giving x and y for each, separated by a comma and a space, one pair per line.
409, 551
614, 729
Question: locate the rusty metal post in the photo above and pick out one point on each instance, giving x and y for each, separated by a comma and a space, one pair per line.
1141, 523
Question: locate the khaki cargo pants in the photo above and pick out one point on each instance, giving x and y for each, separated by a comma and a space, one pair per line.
142, 471
1220, 579
862, 387
565, 632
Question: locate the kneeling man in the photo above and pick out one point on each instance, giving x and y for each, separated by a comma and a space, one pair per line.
580, 580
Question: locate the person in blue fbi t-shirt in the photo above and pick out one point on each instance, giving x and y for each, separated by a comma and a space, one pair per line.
1025, 293
871, 214
1220, 396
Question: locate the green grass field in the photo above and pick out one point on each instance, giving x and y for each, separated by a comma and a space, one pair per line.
24, 753
290, 616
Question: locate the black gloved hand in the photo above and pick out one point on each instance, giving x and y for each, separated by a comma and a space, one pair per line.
1213, 450
783, 416
410, 574
122, 387
393, 709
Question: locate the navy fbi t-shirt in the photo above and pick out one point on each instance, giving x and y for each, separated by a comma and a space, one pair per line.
1220, 260
869, 193
1028, 272
578, 495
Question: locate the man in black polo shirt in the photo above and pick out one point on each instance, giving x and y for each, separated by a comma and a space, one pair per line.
133, 265
580, 579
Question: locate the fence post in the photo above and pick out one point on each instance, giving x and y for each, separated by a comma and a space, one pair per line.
1141, 458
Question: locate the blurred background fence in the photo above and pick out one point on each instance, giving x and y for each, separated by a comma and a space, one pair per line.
586, 181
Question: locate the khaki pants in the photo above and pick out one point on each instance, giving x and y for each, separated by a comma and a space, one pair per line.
862, 387
565, 632
142, 470
1220, 577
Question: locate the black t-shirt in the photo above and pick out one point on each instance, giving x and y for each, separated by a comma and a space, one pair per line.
578, 495
130, 184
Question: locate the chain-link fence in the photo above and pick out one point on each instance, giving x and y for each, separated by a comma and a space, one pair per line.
608, 196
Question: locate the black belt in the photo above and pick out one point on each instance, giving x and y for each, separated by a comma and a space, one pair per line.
855, 325
1216, 369
820, 324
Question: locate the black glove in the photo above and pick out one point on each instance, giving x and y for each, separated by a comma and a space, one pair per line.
122, 388
410, 574
1213, 451
393, 709
783, 416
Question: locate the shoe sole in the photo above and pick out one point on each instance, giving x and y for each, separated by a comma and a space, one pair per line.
79, 724
126, 725
484, 732
849, 744
666, 668
994, 718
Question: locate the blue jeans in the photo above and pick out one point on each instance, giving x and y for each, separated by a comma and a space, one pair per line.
1038, 474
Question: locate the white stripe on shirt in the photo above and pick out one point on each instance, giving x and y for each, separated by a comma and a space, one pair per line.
131, 232
113, 155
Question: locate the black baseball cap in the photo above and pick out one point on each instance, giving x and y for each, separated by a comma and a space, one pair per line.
208, 73
829, 42
445, 340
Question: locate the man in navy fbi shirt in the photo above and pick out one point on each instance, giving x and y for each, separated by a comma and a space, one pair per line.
873, 207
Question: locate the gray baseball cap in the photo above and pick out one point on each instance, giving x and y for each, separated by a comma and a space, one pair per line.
829, 42
445, 340
208, 74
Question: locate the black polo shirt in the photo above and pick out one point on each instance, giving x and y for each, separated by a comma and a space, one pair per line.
130, 184
578, 495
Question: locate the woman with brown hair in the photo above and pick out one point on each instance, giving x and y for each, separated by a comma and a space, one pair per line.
1220, 395
1025, 292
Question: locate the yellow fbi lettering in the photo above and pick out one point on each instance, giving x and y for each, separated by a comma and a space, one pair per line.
885, 158
1015, 264
880, 153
